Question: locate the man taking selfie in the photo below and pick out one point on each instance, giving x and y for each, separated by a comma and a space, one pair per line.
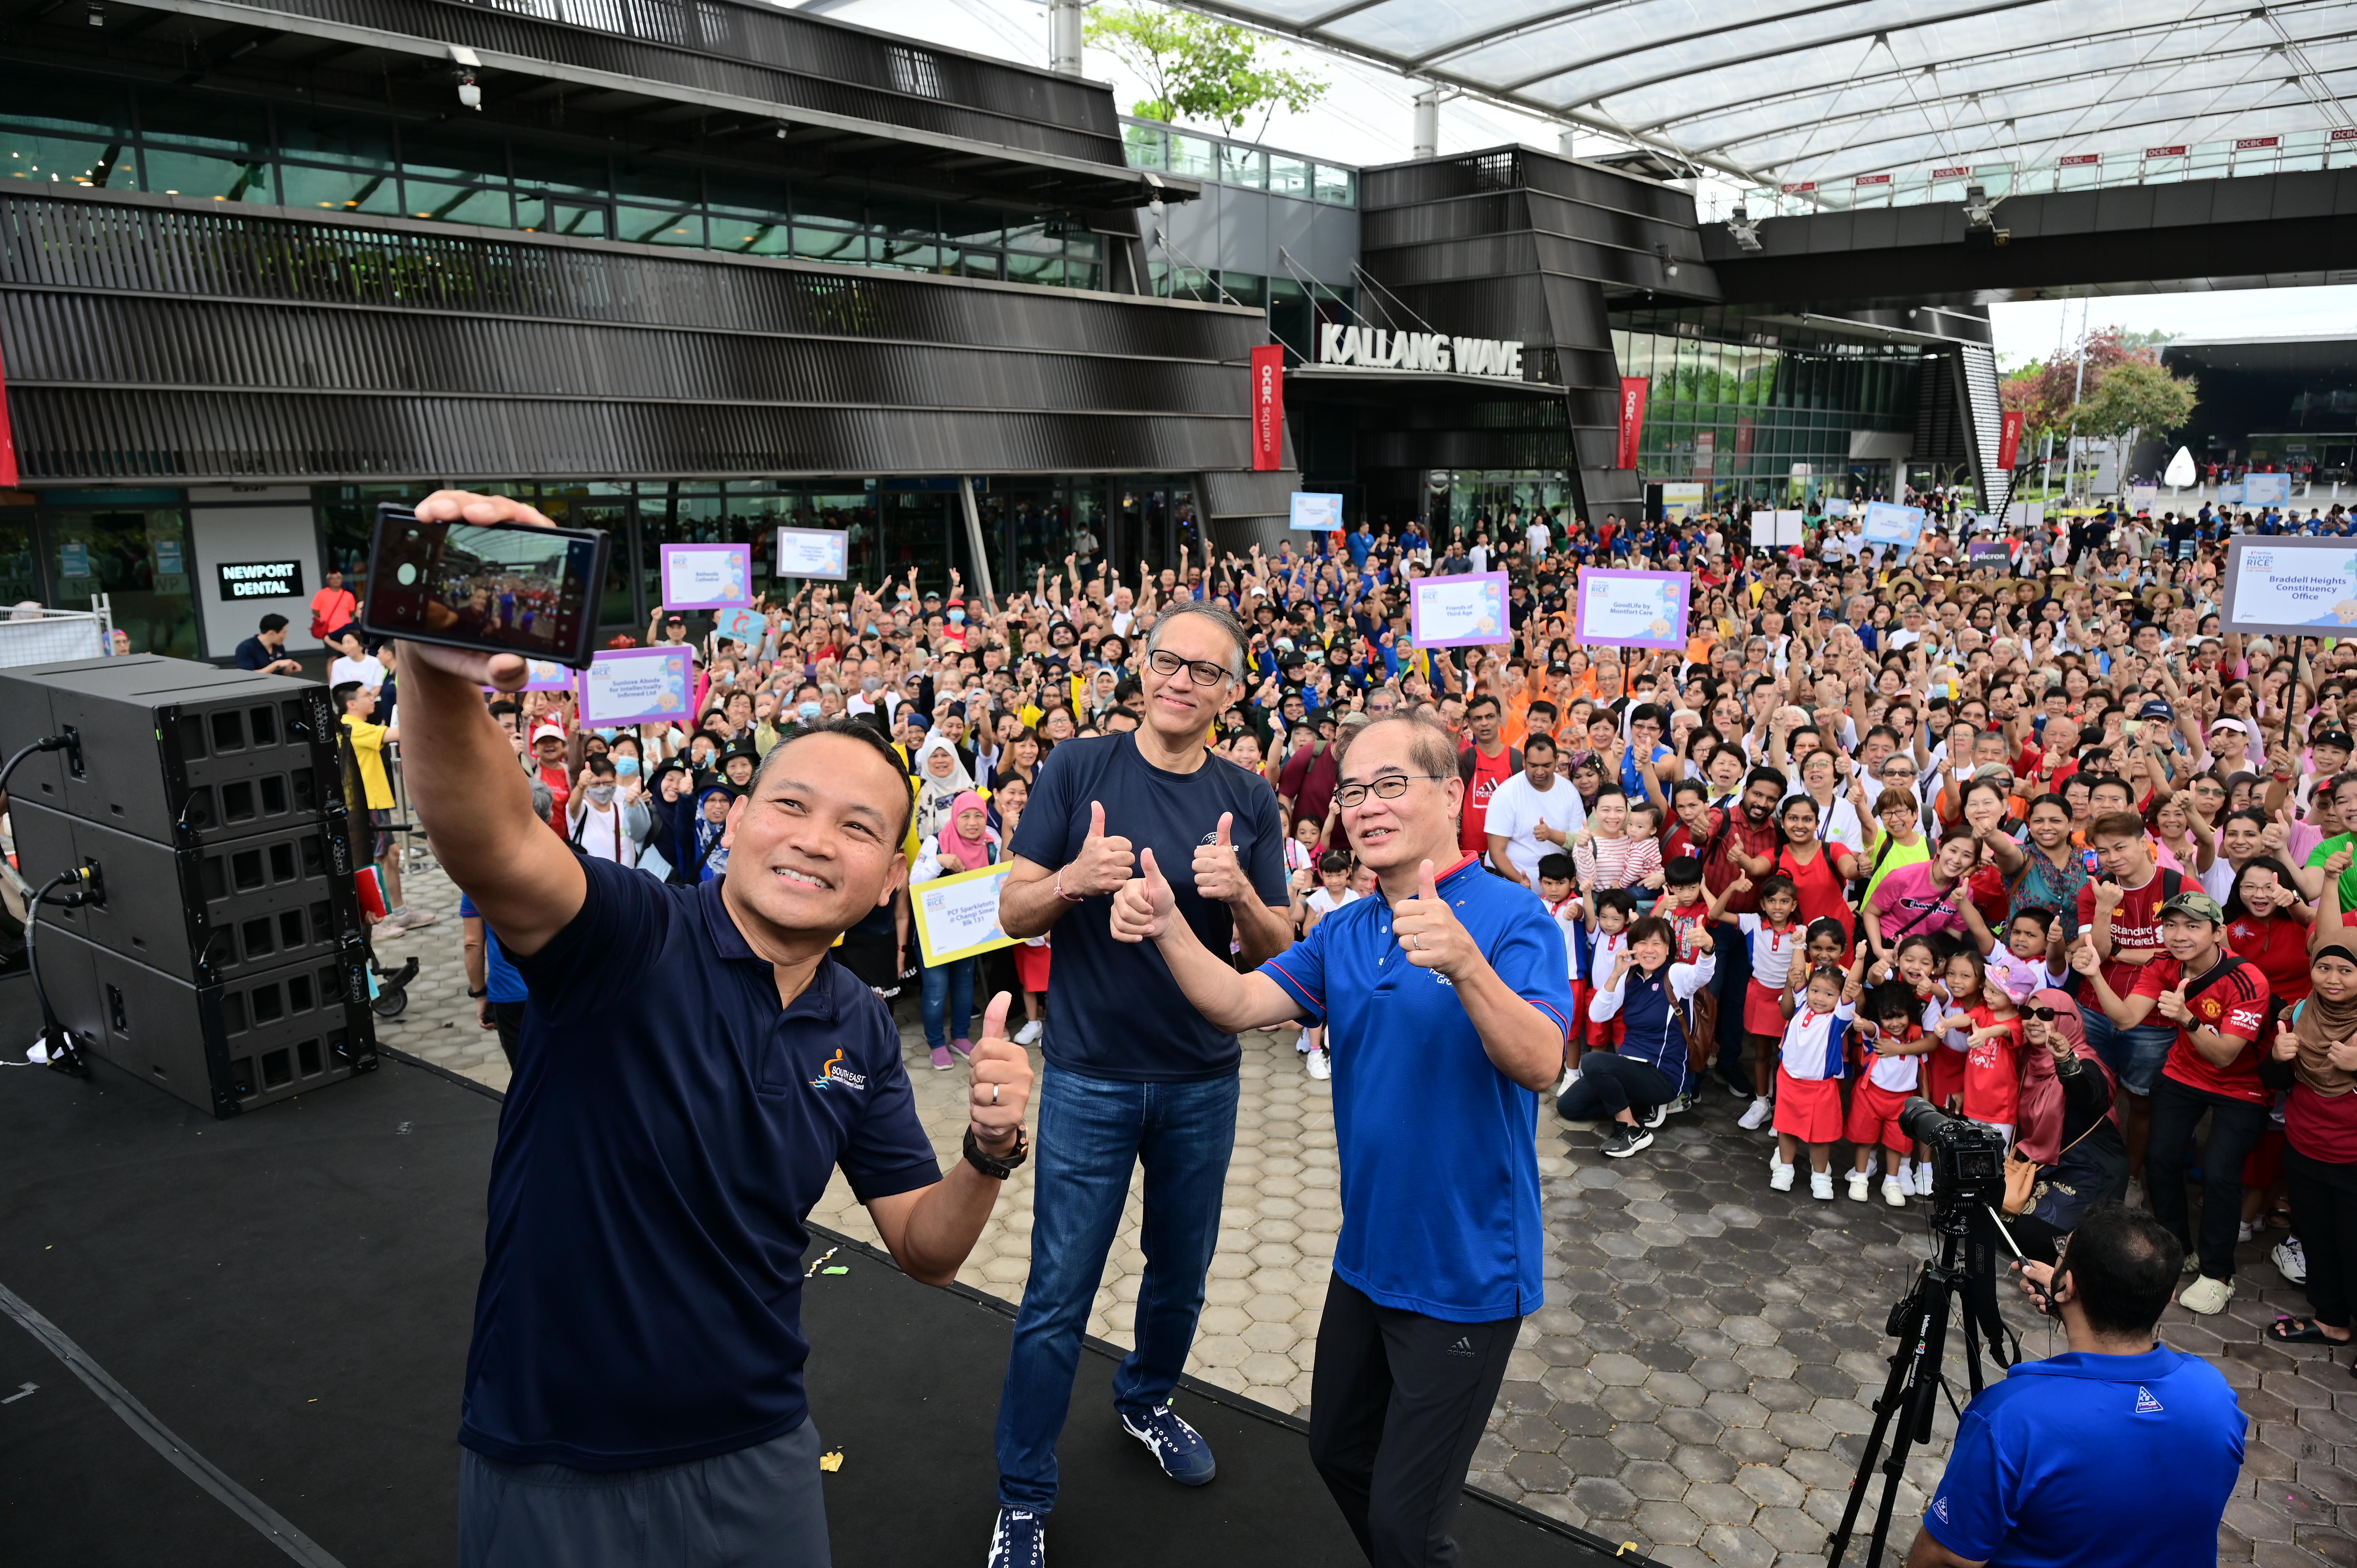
693, 1066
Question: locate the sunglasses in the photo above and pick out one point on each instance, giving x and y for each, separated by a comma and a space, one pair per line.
2043, 1014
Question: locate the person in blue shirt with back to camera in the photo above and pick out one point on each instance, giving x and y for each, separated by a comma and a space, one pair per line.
1446, 1003
2120, 1451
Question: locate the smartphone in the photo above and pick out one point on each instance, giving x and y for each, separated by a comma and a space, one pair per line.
494, 587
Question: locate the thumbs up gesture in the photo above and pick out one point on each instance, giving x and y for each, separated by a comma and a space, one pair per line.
1103, 864
1219, 876
2172, 1007
1144, 905
998, 1082
1429, 930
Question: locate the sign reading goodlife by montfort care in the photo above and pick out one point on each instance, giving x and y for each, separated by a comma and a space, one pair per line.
1372, 347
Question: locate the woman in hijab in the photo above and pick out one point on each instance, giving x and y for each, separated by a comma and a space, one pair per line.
671, 795
2315, 1057
709, 857
2069, 1124
941, 778
965, 843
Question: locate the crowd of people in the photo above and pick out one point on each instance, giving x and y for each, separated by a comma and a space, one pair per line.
2015, 830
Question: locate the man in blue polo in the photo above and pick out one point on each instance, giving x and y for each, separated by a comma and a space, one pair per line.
2119, 1451
1446, 1003
693, 1067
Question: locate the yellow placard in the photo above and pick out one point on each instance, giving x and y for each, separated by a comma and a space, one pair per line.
957, 917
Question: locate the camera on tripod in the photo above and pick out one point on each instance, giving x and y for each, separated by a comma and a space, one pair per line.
1967, 1158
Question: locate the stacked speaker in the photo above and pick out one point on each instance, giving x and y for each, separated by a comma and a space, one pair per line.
221, 954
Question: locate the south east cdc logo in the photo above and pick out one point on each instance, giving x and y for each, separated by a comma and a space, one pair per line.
835, 1072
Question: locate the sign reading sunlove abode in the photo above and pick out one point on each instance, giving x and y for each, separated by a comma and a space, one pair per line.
1373, 348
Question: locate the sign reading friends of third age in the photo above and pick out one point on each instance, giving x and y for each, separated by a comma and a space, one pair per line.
1459, 612
1632, 609
2291, 584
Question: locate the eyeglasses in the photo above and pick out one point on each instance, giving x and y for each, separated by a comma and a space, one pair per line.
1202, 671
1390, 786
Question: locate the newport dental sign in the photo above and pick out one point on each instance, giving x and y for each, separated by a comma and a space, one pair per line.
1372, 347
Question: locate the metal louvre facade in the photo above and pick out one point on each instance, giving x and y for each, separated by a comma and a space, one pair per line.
153, 338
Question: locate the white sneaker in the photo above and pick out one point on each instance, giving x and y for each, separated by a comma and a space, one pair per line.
411, 918
1821, 1186
2137, 1197
1906, 1180
1562, 1085
386, 928
1319, 1067
1857, 1186
1029, 1034
2242, 1231
1750, 1121
2290, 1260
1780, 1177
2206, 1296
1893, 1193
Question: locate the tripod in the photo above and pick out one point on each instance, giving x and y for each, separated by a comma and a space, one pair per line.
1920, 1321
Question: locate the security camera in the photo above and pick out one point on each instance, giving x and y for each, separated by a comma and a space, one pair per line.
1746, 232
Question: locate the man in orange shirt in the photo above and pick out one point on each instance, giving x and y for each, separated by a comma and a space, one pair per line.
333, 606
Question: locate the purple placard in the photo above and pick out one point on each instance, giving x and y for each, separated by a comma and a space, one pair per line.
638, 685
543, 675
1632, 609
1459, 612
706, 576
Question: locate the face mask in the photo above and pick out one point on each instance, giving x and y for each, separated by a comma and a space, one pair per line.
956, 615
810, 713
608, 734
869, 685
601, 794
627, 766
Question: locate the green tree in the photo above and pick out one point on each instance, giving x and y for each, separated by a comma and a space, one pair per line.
1199, 69
2134, 396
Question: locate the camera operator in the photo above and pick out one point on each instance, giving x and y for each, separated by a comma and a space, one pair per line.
2118, 1451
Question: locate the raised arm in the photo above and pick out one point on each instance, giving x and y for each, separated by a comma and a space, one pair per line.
1146, 909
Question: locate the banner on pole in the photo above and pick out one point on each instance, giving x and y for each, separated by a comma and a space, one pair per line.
1268, 407
2009, 443
1632, 419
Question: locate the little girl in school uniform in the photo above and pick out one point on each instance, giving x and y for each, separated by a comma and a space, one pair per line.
1815, 1060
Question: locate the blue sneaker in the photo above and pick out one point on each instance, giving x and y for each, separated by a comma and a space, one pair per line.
1020, 1539
1184, 1456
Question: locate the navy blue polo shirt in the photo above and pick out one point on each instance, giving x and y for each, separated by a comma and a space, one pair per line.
667, 1131
1439, 1149
2086, 1457
1114, 1010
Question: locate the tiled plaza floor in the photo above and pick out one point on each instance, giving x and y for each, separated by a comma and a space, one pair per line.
1700, 1379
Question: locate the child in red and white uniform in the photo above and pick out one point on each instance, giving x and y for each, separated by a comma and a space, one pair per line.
1775, 940
1894, 1038
1981, 1067
1816, 1059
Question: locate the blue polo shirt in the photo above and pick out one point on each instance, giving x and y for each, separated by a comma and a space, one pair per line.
668, 1129
1439, 1149
499, 977
2085, 1459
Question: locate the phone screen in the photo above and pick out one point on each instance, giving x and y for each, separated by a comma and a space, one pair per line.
504, 588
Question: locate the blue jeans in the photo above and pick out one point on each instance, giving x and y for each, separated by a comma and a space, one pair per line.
1092, 1133
2135, 1055
948, 1000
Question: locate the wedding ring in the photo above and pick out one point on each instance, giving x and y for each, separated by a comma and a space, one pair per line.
994, 1094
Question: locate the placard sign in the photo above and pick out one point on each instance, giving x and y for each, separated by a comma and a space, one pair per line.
746, 626
706, 576
814, 553
543, 675
1989, 553
957, 917
1459, 612
2287, 584
1317, 512
2266, 489
638, 685
1632, 609
258, 579
1784, 528
1895, 529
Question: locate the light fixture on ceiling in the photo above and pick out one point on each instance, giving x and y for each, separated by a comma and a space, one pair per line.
464, 64
1981, 233
1746, 232
1669, 266
97, 13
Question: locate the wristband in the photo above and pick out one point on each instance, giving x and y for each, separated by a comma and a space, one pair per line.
1067, 897
485, 992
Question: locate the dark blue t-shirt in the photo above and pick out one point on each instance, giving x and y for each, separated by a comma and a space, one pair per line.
1441, 1174
2086, 1458
253, 655
667, 1131
1113, 1011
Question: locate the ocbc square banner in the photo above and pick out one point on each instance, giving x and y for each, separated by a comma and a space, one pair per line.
2009, 443
1268, 407
1632, 419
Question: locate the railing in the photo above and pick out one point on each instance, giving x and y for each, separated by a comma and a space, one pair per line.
1146, 143
2168, 163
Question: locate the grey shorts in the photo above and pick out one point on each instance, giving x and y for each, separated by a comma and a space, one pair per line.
758, 1507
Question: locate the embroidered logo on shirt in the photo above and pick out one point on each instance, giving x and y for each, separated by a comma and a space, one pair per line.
836, 1072
2145, 1404
1940, 1511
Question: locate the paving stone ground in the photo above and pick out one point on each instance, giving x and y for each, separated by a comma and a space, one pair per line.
1701, 1377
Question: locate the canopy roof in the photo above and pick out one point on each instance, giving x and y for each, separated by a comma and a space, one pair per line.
1786, 91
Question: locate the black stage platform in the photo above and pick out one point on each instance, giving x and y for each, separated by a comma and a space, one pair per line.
288, 1295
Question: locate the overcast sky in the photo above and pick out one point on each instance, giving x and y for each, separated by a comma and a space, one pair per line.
1365, 118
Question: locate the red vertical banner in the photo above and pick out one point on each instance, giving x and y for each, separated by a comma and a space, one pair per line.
2009, 443
1268, 407
7, 437
1632, 419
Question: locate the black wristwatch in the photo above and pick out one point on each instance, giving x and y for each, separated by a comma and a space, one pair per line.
485, 992
996, 1166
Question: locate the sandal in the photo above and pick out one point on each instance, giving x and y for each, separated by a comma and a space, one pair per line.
2309, 1332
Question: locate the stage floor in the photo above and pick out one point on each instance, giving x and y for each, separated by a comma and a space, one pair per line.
287, 1295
